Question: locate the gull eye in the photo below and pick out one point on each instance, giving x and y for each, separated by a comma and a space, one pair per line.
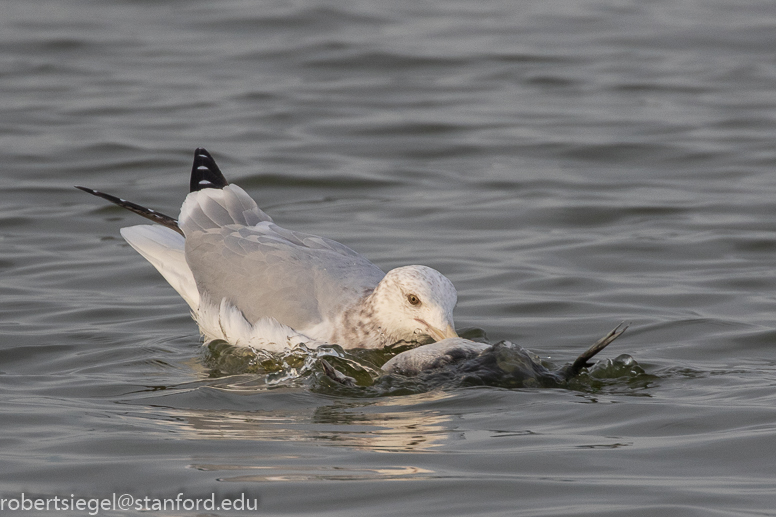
413, 299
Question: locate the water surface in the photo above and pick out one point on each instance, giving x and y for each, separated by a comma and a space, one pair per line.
568, 165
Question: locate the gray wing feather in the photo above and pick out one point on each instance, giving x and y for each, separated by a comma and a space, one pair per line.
265, 270
214, 208
244, 210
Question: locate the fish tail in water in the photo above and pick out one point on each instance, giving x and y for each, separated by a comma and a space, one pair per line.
582, 361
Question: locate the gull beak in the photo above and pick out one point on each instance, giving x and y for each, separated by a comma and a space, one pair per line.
439, 335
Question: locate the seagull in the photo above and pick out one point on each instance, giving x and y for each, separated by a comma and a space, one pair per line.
252, 283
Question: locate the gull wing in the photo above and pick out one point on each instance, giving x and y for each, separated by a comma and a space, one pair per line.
236, 252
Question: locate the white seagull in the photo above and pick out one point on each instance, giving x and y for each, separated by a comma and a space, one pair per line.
252, 283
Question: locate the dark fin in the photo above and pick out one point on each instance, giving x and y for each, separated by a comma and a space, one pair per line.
582, 361
335, 375
157, 217
205, 173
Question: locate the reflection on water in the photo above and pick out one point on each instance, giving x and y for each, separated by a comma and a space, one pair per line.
317, 473
378, 426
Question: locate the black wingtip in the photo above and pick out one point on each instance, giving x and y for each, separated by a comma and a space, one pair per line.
153, 215
205, 173
88, 190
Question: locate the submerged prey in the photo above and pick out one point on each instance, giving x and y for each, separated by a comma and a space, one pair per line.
504, 364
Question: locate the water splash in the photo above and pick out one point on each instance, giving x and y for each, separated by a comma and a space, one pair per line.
505, 368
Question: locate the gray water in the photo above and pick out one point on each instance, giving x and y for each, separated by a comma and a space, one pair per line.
568, 165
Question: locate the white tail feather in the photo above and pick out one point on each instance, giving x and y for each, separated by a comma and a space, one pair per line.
225, 322
163, 248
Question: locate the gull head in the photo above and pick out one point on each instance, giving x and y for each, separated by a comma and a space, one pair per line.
411, 302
